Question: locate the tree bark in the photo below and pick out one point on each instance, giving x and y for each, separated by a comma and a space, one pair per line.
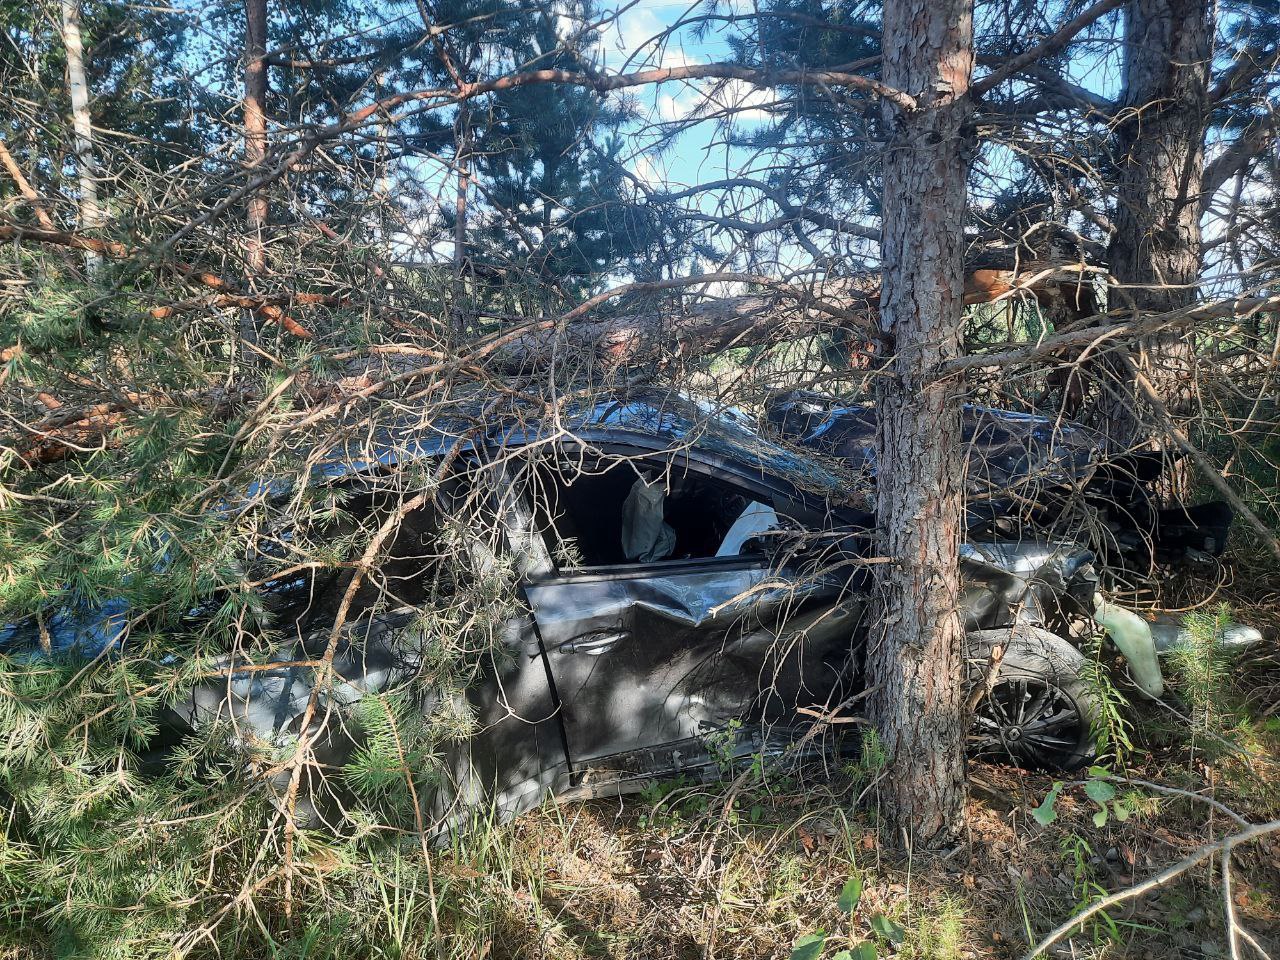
25, 189
255, 126
82, 125
914, 660
1155, 252
780, 312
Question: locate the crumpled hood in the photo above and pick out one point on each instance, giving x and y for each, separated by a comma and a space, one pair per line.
1036, 582
1005, 448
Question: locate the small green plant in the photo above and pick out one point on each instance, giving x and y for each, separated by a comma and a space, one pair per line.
1111, 730
937, 934
665, 808
1101, 789
872, 759
721, 745
1201, 667
1086, 888
887, 930
812, 945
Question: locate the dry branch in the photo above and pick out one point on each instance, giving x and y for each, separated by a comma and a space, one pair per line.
1223, 846
24, 187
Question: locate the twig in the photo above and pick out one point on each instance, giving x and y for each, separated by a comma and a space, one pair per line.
1224, 846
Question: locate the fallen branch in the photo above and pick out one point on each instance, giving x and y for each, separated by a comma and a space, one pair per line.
1223, 846
1202, 463
24, 187
1086, 332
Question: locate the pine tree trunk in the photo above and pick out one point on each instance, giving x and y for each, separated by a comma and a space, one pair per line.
914, 661
27, 192
82, 125
1159, 150
255, 125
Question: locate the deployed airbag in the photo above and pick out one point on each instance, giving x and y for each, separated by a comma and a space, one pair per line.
646, 536
756, 519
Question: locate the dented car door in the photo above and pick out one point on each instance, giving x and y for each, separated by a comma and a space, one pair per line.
649, 659
662, 656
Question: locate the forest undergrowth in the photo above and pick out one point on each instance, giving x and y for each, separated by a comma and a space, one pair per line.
772, 862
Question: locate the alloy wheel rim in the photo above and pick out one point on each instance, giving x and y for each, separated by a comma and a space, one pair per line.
1026, 720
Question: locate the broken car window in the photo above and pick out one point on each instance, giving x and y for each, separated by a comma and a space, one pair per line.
611, 512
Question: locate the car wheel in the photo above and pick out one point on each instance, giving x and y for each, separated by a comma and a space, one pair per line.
1040, 711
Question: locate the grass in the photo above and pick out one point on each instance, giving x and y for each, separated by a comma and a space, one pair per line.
623, 879
614, 880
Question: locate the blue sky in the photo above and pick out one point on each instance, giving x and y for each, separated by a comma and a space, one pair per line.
699, 154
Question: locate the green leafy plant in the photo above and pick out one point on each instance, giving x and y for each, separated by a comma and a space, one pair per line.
1101, 789
1046, 813
721, 744
886, 929
1085, 887
812, 945
851, 894
1111, 728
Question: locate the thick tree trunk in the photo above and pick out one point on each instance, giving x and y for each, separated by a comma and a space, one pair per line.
255, 125
914, 661
1159, 150
86, 165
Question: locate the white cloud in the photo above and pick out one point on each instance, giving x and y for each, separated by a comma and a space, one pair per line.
747, 99
637, 26
647, 172
631, 39
671, 108
747, 102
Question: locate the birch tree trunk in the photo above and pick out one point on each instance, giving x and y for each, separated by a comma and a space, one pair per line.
255, 125
462, 162
463, 173
1155, 253
82, 125
914, 659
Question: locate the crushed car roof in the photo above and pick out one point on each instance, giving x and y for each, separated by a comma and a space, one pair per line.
657, 419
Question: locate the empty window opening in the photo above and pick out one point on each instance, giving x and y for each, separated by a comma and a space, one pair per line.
606, 514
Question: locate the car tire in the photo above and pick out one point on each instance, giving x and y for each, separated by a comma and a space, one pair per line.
1040, 711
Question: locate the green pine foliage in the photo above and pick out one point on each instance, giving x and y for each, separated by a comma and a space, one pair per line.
125, 833
1202, 668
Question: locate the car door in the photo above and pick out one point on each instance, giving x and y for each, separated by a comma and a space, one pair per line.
650, 658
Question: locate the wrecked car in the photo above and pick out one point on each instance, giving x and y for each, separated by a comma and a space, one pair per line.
681, 579
1032, 481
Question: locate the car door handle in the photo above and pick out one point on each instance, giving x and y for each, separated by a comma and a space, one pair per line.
594, 643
